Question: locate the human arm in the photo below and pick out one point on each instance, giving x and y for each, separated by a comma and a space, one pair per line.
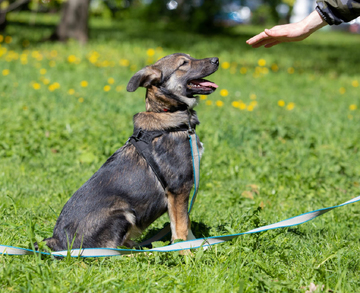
288, 32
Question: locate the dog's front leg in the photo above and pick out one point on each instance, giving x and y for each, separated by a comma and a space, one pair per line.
179, 219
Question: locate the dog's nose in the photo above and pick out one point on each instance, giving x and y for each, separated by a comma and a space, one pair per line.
214, 60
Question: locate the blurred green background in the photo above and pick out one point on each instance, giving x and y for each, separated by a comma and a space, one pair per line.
281, 136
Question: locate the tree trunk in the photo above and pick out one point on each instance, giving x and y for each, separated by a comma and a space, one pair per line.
74, 22
3, 21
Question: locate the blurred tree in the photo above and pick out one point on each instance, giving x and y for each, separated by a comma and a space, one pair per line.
74, 22
7, 6
194, 15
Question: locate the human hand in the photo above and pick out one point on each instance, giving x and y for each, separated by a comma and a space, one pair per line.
288, 32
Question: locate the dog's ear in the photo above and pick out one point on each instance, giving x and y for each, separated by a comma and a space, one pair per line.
145, 77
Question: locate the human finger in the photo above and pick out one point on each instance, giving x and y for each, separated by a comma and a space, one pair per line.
269, 45
262, 43
257, 38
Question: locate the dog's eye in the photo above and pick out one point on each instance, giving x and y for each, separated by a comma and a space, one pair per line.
184, 62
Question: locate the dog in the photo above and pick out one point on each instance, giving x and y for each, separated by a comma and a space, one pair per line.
131, 190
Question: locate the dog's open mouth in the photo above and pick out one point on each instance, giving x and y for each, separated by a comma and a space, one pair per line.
201, 86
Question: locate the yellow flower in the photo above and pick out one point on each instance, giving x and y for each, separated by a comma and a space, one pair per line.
36, 86
81, 100
72, 59
52, 63
124, 62
111, 80
235, 104
243, 70
355, 83
84, 83
203, 97
353, 107
119, 88
43, 71
262, 62
342, 90
274, 67
253, 103
208, 102
219, 103
290, 106
133, 67
53, 53
281, 103
107, 88
253, 96
250, 108
224, 92
71, 91
8, 39
54, 86
225, 65
46, 81
5, 72
291, 70
1, 38
159, 49
242, 106
150, 52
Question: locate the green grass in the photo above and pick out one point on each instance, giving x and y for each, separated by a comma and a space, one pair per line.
259, 166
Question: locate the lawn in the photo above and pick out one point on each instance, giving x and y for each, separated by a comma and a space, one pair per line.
281, 137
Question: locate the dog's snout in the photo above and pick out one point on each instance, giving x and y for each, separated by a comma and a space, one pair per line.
214, 60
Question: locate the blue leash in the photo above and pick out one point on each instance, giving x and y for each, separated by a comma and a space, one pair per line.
184, 245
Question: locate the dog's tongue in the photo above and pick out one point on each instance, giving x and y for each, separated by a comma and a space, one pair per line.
204, 83
209, 84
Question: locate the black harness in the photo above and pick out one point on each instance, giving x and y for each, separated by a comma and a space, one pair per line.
142, 141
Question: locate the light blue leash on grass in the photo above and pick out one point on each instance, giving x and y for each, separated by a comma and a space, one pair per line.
184, 245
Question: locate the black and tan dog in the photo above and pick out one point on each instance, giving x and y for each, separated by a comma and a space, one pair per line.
130, 192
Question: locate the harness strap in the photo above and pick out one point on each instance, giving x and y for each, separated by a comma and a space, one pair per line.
142, 141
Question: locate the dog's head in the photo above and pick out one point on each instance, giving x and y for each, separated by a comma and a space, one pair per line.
178, 76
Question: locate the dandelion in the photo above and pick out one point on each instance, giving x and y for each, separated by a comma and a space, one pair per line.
107, 88
124, 62
208, 102
8, 39
54, 86
243, 70
291, 70
225, 65
250, 108
1, 38
52, 63
203, 97
235, 104
159, 49
42, 71
72, 59
119, 88
219, 103
111, 80
224, 92
233, 70
150, 52
5, 72
36, 86
342, 90
353, 107
53, 53
46, 81
281, 103
290, 106
262, 62
84, 83
253, 97
242, 106
355, 83
81, 100
274, 67
71, 91
253, 103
